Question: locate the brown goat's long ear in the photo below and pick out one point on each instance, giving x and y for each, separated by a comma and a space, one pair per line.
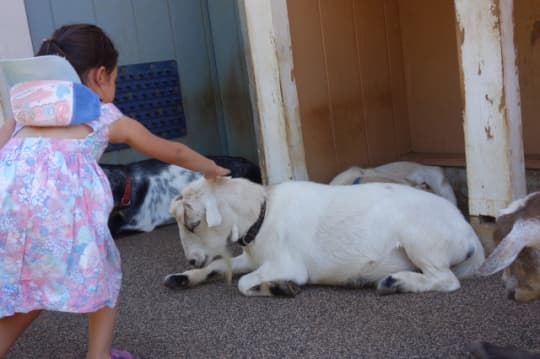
507, 250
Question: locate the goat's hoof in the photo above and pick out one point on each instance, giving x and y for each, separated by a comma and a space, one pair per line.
176, 281
284, 289
388, 285
277, 289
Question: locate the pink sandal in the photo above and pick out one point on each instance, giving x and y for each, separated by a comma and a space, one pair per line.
120, 354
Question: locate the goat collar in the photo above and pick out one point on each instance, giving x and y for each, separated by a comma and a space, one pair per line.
126, 197
254, 229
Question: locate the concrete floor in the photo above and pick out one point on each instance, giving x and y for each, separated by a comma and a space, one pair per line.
216, 321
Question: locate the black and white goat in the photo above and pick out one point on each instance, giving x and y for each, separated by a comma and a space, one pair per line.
143, 190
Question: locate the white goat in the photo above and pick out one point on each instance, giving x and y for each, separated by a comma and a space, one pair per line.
414, 174
397, 237
517, 233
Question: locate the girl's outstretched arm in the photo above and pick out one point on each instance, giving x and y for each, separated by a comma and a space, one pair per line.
6, 130
129, 131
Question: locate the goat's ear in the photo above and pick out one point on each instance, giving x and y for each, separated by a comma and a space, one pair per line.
507, 250
176, 208
213, 216
234, 237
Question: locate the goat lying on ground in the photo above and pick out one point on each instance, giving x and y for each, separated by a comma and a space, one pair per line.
430, 178
143, 190
397, 237
517, 234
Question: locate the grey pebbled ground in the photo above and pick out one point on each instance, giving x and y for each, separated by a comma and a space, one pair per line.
216, 321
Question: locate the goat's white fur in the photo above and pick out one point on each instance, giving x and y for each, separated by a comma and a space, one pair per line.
405, 172
402, 238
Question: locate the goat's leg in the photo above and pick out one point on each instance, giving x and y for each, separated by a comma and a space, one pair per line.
442, 280
274, 279
239, 265
434, 273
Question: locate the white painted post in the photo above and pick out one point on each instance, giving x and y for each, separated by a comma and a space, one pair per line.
492, 114
272, 83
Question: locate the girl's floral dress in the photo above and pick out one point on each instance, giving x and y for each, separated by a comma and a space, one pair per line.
56, 251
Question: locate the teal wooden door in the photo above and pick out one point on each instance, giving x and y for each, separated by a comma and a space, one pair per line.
203, 37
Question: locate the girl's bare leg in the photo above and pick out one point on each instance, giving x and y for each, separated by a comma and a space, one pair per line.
100, 333
12, 327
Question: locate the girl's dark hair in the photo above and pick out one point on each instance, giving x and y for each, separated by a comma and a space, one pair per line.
85, 46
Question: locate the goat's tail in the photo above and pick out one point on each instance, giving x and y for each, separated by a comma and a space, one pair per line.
475, 257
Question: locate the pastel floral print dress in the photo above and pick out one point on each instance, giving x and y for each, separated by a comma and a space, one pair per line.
56, 251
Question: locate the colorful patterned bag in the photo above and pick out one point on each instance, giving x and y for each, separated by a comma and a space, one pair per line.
53, 103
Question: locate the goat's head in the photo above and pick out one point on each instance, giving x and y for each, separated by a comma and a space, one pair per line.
200, 224
517, 235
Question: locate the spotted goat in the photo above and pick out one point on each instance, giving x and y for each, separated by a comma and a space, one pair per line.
143, 190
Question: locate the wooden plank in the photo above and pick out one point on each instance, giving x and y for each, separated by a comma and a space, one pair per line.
232, 81
344, 83
377, 99
288, 90
265, 63
435, 159
313, 96
397, 77
492, 116
432, 75
193, 49
527, 37
69, 12
154, 30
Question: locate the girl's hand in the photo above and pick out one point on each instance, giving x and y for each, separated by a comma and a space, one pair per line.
216, 171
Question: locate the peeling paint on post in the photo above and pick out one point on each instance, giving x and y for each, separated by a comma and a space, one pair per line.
275, 100
492, 114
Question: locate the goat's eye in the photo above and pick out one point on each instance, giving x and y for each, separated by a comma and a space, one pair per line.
191, 226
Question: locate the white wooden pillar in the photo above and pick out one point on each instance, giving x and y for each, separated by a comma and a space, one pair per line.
492, 113
273, 88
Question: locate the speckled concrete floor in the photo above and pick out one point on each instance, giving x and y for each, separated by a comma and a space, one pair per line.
216, 321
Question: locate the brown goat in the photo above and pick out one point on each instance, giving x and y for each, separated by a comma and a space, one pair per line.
517, 235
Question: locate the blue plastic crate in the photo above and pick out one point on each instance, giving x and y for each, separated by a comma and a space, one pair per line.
150, 93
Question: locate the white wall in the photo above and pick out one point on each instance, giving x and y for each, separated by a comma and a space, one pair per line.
14, 33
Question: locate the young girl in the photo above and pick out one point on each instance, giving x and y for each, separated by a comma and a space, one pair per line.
56, 252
